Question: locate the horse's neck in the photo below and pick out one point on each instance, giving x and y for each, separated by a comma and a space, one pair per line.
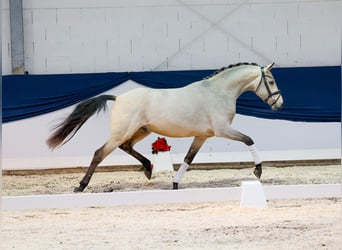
235, 81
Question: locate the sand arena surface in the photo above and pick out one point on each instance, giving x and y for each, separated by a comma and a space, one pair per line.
285, 224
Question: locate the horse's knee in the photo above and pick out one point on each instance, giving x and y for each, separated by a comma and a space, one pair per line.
126, 147
247, 140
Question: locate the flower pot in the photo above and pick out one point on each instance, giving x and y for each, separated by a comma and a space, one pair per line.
162, 162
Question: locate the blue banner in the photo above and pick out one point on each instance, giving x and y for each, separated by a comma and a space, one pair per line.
311, 94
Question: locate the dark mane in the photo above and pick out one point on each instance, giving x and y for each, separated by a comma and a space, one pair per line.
229, 67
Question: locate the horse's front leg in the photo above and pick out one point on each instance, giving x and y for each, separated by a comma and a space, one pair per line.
233, 134
195, 146
258, 163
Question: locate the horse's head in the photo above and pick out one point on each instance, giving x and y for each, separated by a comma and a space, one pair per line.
267, 88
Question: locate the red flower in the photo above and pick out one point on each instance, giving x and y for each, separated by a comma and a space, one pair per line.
160, 145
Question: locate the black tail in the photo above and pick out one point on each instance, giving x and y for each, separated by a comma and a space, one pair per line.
83, 111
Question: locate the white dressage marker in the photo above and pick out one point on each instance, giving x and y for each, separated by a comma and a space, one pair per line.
252, 195
162, 162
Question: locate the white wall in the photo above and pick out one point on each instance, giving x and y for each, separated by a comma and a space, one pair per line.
99, 36
134, 35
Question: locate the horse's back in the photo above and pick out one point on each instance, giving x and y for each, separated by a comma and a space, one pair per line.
153, 98
174, 112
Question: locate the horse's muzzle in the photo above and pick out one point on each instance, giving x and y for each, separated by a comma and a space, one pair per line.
278, 104
277, 107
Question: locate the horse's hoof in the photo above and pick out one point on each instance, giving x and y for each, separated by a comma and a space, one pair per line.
148, 174
258, 171
175, 185
79, 189
109, 190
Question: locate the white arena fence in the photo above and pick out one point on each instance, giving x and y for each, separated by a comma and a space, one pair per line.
165, 196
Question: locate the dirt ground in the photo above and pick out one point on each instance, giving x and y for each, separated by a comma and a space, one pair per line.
285, 224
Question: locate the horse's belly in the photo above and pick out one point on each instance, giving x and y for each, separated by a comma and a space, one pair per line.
176, 130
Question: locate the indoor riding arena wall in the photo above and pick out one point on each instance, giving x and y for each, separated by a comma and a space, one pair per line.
84, 36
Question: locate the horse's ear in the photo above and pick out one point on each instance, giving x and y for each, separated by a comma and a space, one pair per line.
269, 67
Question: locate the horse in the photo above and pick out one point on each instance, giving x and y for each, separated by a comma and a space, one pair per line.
201, 110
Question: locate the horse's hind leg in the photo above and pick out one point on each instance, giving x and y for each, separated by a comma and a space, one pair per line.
194, 148
99, 155
127, 146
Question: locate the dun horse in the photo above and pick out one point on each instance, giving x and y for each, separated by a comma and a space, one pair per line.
200, 110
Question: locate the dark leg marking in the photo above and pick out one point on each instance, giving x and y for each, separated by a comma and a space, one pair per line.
246, 139
128, 148
98, 157
102, 152
258, 170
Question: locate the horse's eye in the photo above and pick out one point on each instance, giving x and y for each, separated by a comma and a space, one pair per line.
271, 82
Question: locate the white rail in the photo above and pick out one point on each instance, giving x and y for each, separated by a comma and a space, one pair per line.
165, 196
